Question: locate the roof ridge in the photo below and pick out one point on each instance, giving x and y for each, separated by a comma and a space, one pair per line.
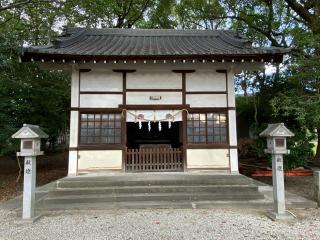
68, 38
148, 32
237, 40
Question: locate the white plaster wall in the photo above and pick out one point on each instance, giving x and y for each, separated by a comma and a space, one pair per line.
74, 87
234, 166
232, 127
233, 141
205, 81
73, 162
100, 100
154, 80
100, 159
207, 100
144, 98
101, 81
74, 121
231, 90
207, 158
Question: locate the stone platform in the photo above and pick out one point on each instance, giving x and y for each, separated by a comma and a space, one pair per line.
156, 190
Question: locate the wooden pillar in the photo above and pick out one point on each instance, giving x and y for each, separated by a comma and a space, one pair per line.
124, 115
232, 123
184, 116
74, 122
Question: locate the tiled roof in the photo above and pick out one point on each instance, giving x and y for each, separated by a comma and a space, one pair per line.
156, 43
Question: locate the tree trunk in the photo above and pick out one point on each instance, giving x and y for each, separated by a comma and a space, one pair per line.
255, 108
316, 159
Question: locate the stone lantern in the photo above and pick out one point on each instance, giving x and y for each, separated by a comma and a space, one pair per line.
276, 135
30, 136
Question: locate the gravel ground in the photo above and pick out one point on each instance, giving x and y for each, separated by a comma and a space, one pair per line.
161, 224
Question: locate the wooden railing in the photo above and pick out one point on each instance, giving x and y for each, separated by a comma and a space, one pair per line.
154, 160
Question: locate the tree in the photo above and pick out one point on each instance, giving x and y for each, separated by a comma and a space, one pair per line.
201, 14
106, 13
28, 94
161, 14
307, 12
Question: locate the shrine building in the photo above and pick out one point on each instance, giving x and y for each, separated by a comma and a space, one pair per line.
151, 100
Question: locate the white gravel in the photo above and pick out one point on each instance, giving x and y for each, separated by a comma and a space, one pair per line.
160, 224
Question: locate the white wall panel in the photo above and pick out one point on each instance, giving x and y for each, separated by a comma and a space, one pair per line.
207, 100
231, 90
207, 158
100, 81
100, 100
73, 162
100, 159
144, 98
232, 127
205, 81
154, 80
74, 121
74, 88
234, 161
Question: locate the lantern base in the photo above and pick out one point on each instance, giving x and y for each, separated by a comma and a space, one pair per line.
28, 220
279, 217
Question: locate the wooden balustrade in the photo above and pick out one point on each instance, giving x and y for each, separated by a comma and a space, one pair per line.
154, 160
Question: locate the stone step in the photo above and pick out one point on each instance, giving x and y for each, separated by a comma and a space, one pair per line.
83, 182
249, 204
135, 197
154, 189
255, 204
144, 204
151, 191
154, 176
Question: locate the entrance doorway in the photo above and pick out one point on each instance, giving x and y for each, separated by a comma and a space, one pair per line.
155, 149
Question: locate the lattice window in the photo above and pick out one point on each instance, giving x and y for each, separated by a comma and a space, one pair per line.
100, 128
207, 128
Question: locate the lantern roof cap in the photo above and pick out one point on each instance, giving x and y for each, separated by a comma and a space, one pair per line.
276, 130
30, 131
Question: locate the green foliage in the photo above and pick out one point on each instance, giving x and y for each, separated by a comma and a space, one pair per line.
259, 144
201, 14
300, 150
29, 95
300, 145
304, 109
160, 15
245, 106
120, 13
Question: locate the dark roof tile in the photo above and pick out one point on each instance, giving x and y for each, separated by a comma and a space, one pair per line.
151, 42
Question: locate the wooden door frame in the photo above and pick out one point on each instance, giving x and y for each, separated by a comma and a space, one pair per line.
183, 147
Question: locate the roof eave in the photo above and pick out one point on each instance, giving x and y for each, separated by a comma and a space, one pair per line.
266, 57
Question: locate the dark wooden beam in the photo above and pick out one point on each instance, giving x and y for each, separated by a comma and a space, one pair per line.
183, 71
208, 92
124, 70
154, 107
221, 71
85, 70
100, 92
154, 90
